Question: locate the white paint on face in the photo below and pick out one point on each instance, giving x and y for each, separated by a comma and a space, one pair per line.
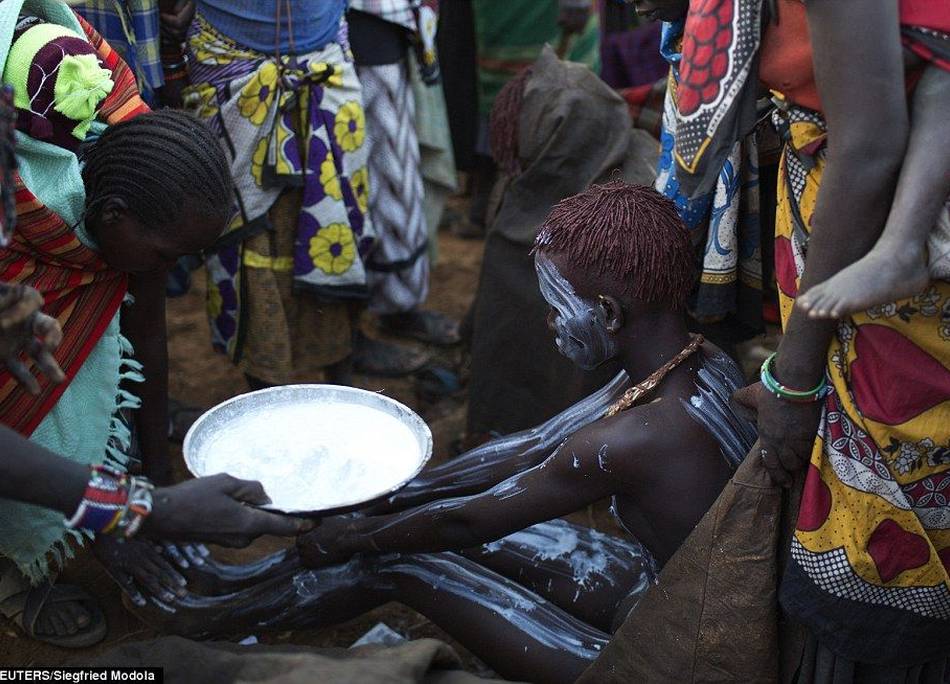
580, 331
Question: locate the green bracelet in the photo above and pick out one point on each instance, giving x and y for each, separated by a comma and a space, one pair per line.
782, 392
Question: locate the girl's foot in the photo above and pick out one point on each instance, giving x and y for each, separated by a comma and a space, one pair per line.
62, 615
883, 276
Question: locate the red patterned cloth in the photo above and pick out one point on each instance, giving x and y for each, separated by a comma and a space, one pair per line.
81, 291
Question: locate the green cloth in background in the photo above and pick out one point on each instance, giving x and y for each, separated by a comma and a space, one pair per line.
511, 34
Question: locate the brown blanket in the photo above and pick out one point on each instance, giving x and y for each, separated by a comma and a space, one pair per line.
425, 661
714, 615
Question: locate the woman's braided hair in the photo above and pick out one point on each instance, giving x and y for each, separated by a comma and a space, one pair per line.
628, 233
159, 163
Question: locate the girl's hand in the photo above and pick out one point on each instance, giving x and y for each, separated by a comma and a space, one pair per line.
326, 545
25, 329
176, 18
787, 432
214, 510
140, 569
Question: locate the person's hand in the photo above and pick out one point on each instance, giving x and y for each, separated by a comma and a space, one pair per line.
175, 23
24, 328
140, 569
325, 545
787, 431
214, 510
573, 19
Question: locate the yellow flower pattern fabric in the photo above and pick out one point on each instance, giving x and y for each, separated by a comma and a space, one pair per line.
870, 557
257, 96
329, 178
333, 249
360, 181
297, 123
350, 126
257, 162
202, 99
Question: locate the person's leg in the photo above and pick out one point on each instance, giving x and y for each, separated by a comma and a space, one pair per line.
897, 265
593, 576
518, 633
63, 615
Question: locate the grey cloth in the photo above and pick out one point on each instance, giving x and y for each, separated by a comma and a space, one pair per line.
573, 131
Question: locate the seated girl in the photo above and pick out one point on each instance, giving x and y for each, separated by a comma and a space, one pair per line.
97, 227
476, 544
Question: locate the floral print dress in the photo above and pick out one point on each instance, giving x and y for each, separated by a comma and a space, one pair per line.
287, 123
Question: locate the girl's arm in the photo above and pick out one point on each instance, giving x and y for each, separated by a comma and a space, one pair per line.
31, 474
143, 324
503, 458
571, 478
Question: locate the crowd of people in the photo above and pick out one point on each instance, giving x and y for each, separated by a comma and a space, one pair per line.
656, 183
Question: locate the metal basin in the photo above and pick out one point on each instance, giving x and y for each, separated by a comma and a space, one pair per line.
275, 405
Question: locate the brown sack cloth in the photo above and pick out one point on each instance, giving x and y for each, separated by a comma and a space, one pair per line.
425, 661
714, 616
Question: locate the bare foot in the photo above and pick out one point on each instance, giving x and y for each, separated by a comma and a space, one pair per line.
883, 276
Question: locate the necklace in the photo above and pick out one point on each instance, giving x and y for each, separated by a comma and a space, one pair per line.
635, 393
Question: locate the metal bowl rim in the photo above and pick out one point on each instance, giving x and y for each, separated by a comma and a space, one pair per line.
415, 417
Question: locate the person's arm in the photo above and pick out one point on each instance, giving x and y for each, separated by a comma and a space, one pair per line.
175, 17
487, 465
31, 474
143, 324
859, 73
209, 509
571, 478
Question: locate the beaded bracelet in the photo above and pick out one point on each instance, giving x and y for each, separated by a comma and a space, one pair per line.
782, 392
113, 503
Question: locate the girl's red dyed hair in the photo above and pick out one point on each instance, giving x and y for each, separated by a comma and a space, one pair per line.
630, 234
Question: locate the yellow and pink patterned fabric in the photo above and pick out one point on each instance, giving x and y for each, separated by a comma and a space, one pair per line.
869, 572
287, 122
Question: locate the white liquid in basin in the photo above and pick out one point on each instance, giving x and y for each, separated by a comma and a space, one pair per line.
315, 457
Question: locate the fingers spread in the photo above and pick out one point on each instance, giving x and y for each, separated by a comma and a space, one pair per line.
128, 585
45, 362
196, 553
22, 374
48, 330
158, 576
17, 305
172, 552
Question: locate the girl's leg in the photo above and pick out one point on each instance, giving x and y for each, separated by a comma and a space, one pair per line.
897, 265
289, 598
595, 577
518, 633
